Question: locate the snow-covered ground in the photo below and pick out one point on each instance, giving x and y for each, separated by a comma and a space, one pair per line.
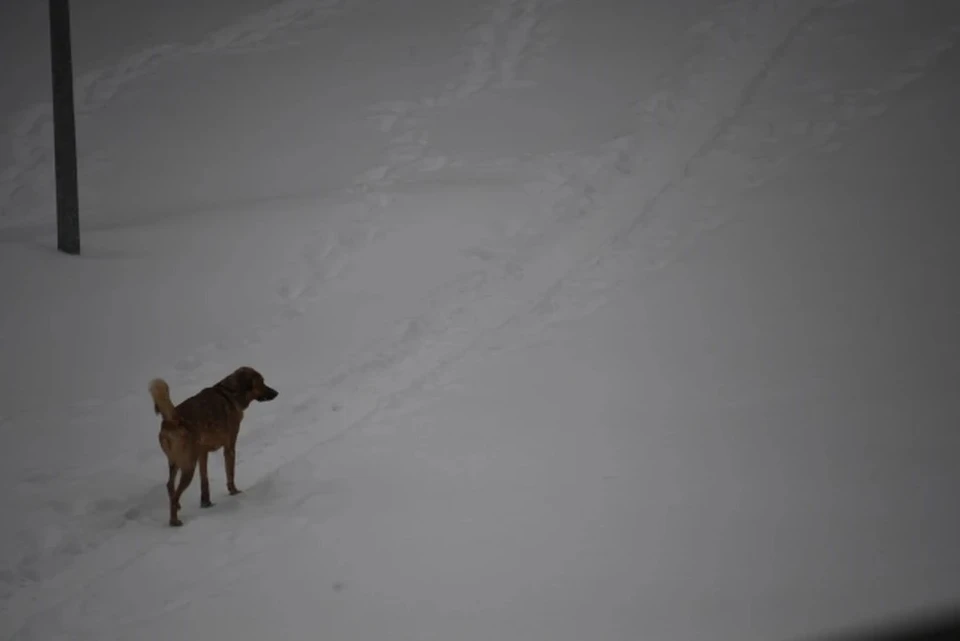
590, 320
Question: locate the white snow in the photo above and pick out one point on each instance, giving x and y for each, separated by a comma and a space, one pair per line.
606, 320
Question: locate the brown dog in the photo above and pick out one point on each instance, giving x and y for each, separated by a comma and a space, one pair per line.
204, 423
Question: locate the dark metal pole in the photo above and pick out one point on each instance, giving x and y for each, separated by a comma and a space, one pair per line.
64, 129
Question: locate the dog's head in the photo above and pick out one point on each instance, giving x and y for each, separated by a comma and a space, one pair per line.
246, 385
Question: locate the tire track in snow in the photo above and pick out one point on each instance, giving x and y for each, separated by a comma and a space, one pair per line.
704, 85
495, 50
807, 107
843, 110
26, 185
839, 96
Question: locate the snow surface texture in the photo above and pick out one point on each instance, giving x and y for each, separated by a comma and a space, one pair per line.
605, 320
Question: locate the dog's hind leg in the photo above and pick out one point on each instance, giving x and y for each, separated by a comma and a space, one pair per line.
170, 479
204, 482
186, 475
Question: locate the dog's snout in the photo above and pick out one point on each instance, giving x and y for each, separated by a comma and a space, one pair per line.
269, 393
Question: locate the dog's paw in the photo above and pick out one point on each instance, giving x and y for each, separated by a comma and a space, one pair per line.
176, 523
234, 491
207, 503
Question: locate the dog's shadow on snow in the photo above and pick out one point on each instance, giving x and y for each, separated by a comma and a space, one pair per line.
265, 497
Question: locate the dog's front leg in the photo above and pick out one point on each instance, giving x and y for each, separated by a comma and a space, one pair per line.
229, 462
204, 481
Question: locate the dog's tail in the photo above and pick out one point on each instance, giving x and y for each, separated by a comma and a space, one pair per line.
162, 405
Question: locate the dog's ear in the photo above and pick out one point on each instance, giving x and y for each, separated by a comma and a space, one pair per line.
238, 382
246, 382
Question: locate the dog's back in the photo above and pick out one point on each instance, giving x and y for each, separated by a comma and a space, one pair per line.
212, 416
